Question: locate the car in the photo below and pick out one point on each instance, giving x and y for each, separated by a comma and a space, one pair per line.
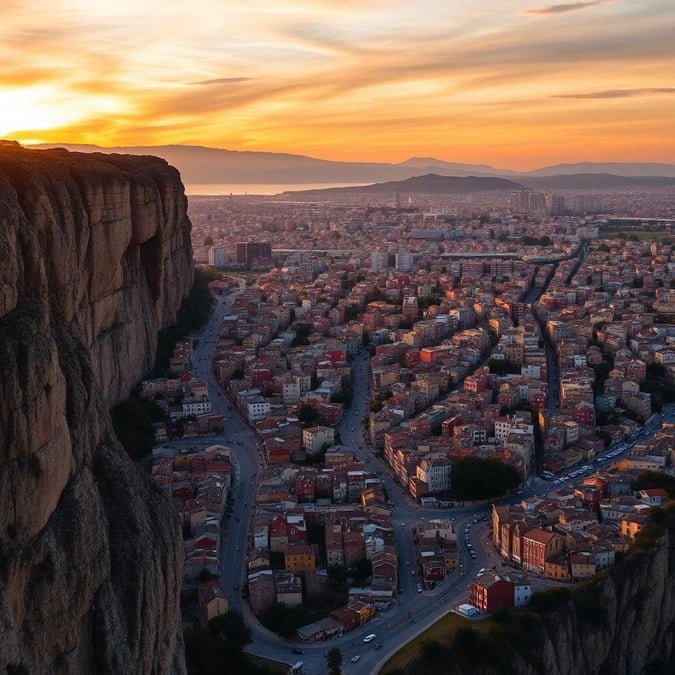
469, 546
369, 638
419, 588
379, 645
412, 572
355, 659
295, 650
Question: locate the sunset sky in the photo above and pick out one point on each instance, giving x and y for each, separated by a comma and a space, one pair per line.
512, 83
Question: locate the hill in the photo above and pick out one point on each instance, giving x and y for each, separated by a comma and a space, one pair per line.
594, 181
429, 184
198, 164
615, 168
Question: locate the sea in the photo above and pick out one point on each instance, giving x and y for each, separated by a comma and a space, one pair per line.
216, 189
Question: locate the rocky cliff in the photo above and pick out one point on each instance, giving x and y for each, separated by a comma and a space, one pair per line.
95, 259
620, 622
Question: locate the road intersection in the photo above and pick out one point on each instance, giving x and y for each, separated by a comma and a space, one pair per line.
413, 612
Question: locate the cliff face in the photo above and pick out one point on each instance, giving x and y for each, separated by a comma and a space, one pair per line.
95, 259
621, 622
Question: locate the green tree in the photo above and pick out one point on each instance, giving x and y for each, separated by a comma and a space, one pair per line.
219, 648
476, 478
302, 332
374, 295
193, 314
132, 421
307, 415
654, 479
503, 367
337, 574
362, 571
231, 629
334, 661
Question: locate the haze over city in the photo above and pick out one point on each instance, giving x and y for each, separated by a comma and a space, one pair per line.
337, 337
509, 83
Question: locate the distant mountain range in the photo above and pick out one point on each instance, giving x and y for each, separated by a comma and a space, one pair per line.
593, 181
214, 166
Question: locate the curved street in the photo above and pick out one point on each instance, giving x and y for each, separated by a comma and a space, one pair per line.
413, 611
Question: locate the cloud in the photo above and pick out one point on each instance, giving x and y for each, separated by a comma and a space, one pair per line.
565, 7
620, 93
224, 80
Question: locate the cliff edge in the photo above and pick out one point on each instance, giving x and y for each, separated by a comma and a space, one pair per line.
619, 622
96, 259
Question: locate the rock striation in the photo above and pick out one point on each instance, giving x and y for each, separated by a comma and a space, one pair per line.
620, 622
95, 258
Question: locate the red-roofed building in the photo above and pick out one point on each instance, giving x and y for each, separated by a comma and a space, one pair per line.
489, 592
538, 546
653, 496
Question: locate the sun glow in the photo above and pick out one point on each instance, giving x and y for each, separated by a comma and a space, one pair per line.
370, 80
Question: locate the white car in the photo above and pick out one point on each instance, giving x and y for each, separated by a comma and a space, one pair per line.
369, 638
355, 659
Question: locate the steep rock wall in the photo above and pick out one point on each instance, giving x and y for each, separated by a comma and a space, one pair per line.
95, 259
620, 622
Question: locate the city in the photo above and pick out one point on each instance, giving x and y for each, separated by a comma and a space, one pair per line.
349, 390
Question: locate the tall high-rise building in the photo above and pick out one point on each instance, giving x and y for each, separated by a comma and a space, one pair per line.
249, 251
404, 261
536, 202
217, 256
556, 205
379, 261
520, 201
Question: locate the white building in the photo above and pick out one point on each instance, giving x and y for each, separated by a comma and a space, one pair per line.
435, 473
522, 589
507, 425
291, 389
257, 408
404, 261
217, 256
379, 261
195, 406
314, 438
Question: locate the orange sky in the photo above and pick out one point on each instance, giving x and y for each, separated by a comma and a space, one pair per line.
512, 83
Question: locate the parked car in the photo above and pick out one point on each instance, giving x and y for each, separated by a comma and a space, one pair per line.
355, 659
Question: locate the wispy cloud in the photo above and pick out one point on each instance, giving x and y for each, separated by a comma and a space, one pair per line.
223, 80
620, 93
357, 78
564, 7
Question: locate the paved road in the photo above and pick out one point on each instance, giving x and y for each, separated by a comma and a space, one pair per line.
413, 611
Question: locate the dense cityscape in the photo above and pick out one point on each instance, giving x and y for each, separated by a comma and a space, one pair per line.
415, 404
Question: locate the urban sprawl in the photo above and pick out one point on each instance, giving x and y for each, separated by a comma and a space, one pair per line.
368, 352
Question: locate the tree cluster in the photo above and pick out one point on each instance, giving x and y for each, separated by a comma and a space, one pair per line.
132, 421
193, 314
474, 478
218, 649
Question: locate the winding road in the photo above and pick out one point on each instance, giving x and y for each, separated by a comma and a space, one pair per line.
413, 612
